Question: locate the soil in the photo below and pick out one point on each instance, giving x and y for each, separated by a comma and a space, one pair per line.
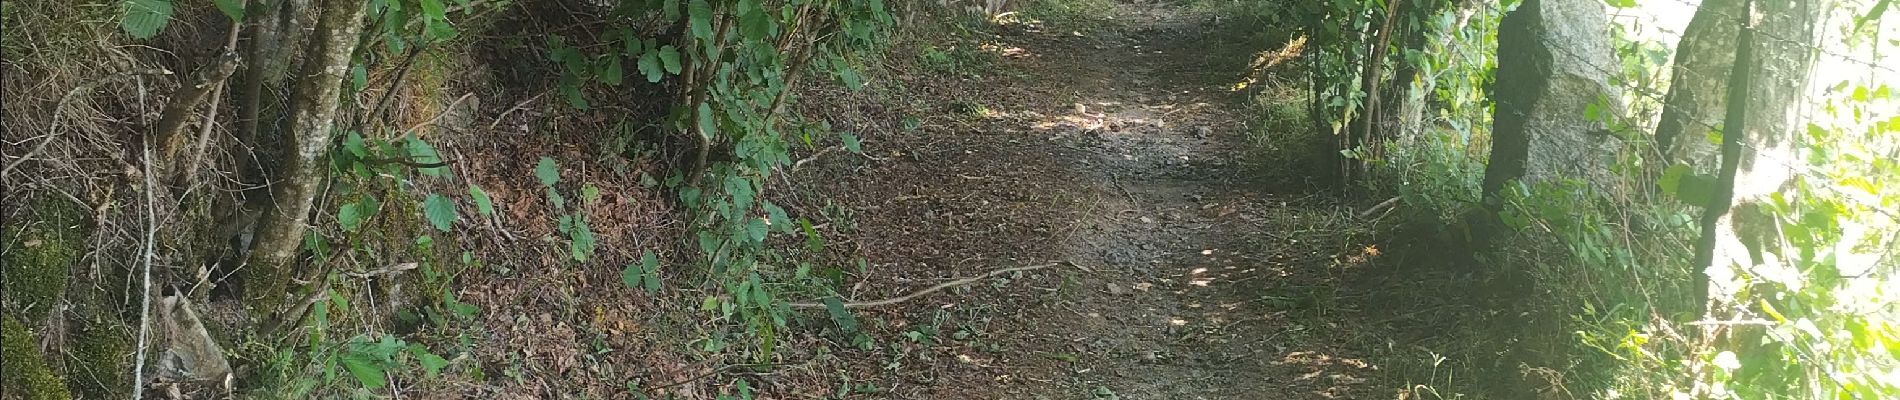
1117, 153
1120, 155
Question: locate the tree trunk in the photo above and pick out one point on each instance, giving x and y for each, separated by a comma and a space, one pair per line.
1783, 53
1697, 85
299, 171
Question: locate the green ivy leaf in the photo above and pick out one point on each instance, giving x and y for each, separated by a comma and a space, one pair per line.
671, 10
145, 18
440, 211
699, 16
547, 171
483, 204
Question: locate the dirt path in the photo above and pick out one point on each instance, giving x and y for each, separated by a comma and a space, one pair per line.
1189, 259
1120, 154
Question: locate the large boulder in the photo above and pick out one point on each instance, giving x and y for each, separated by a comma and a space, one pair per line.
1553, 93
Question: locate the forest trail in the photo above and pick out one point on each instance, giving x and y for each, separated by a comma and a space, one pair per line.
1122, 155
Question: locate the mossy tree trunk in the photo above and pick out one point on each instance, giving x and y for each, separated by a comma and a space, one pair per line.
295, 165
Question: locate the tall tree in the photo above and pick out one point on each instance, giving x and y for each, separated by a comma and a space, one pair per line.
1761, 161
294, 164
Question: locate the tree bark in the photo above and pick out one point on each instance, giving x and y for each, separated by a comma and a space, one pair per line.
1735, 124
1762, 159
299, 172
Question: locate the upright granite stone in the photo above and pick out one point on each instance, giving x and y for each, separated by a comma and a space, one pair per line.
1554, 63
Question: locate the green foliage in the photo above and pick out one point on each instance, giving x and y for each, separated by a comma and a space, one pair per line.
644, 274
734, 65
1813, 321
581, 240
440, 211
27, 376
145, 18
36, 254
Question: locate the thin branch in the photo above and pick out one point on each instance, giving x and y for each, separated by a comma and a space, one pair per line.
145, 300
932, 289
1381, 206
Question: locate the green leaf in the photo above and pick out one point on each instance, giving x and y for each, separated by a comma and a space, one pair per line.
572, 91
670, 9
590, 194
367, 370
851, 142
440, 211
359, 77
632, 275
433, 9
778, 217
231, 8
431, 364
611, 73
547, 172
144, 18
706, 125
351, 215
756, 229
1672, 178
839, 315
670, 57
699, 16
651, 264
1873, 14
649, 65
483, 204
582, 247
754, 23
421, 152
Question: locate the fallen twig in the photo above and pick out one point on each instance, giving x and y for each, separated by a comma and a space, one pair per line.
1392, 202
145, 299
932, 289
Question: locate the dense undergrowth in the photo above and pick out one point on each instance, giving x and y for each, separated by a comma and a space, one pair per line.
645, 141
1591, 293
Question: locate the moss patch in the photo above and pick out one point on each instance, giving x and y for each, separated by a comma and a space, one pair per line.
100, 356
27, 376
38, 255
